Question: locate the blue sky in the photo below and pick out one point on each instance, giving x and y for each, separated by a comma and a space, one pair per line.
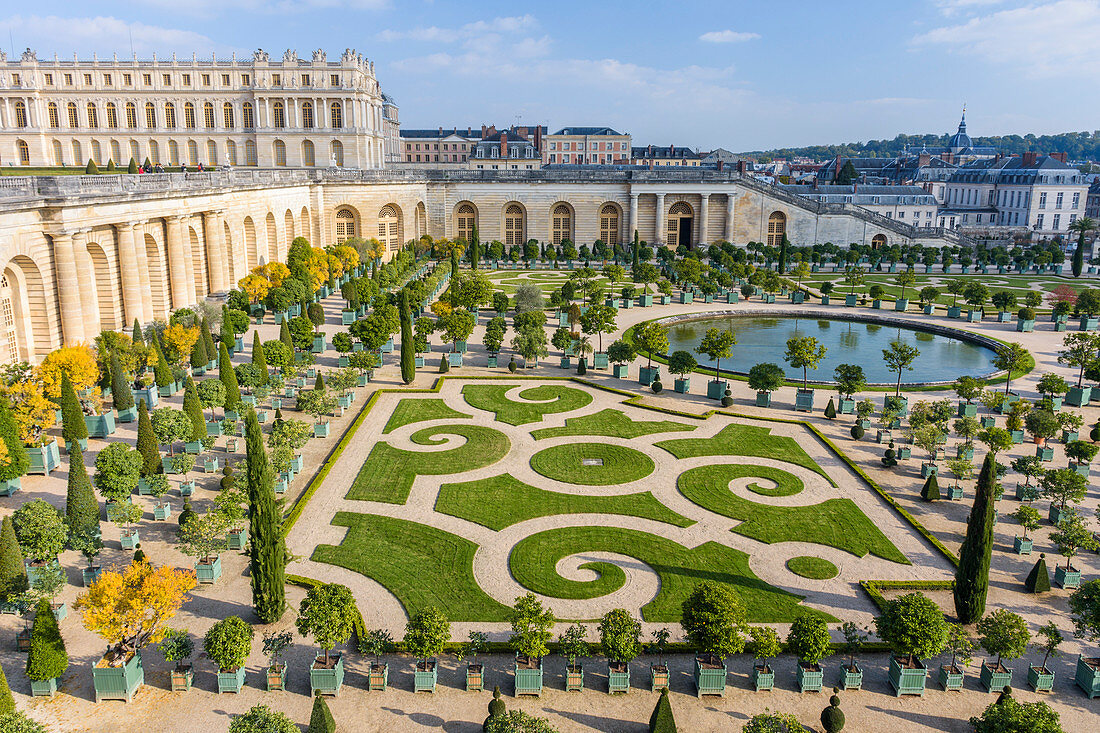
741, 75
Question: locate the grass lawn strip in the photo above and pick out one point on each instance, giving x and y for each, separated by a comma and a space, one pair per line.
835, 523
814, 568
504, 500
387, 474
611, 423
786, 484
546, 399
744, 440
409, 411
621, 465
534, 559
422, 566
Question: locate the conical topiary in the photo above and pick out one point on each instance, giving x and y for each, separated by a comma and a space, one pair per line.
132, 167
111, 165
582, 367
147, 444
161, 371
208, 341
444, 364
13, 573
199, 357
931, 489
229, 379
121, 395
832, 717
91, 169
73, 427
284, 336
47, 658
136, 335
81, 507
17, 462
321, 720
830, 409
258, 359
1038, 580
661, 720
193, 409
7, 702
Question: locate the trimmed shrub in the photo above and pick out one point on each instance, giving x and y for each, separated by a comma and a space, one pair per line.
13, 573
661, 720
321, 720
17, 461
47, 658
1038, 580
7, 702
91, 169
73, 427
931, 489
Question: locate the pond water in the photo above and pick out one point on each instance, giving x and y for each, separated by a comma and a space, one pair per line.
761, 339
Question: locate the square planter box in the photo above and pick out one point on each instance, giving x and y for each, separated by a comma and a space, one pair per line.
424, 679
387, 348
967, 410
1068, 436
1088, 324
454, 360
1017, 436
193, 447
162, 511
681, 385
658, 678
475, 678
1067, 578
994, 680
1060, 326
810, 678
620, 371
214, 427
320, 430
1082, 469
646, 300
44, 459
128, 415
964, 452
851, 300
710, 679
901, 304
574, 678
618, 679
182, 678
1041, 680
297, 463
988, 421
418, 361
528, 679
1044, 453
1078, 396
954, 493
769, 297
347, 318
927, 469
686, 298
763, 399
327, 681
118, 683
1088, 675
847, 407
91, 575
906, 681
378, 677
208, 572
929, 310
904, 452
804, 400
825, 300
1004, 317
211, 464
716, 389
187, 488
282, 484
954, 312
599, 360
1025, 326
763, 678
1022, 546
9, 487
168, 390
951, 678
318, 345
1055, 514
664, 299
236, 539
566, 362
150, 395
645, 375
130, 539
231, 681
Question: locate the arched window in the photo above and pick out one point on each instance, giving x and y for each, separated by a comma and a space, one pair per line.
131, 116
345, 225
20, 114
389, 228
112, 116
231, 152
116, 152
337, 154
208, 116
74, 121
170, 116
227, 115
777, 227
51, 113
24, 152
135, 151
679, 223
336, 116
58, 157
173, 153
279, 152
308, 156
249, 116
78, 153
562, 223
150, 116
878, 241
9, 347
609, 224
189, 116
307, 115
97, 152
192, 153
93, 116
154, 152
279, 115
467, 220
513, 225
211, 152
249, 152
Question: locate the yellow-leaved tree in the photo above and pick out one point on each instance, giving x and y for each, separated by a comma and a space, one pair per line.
373, 249
254, 286
129, 609
275, 272
316, 266
335, 265
181, 339
78, 361
33, 413
348, 256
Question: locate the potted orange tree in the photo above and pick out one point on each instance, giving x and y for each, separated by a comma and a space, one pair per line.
1084, 605
851, 674
376, 643
914, 627
425, 634
960, 645
713, 618
228, 644
475, 643
765, 645
809, 641
328, 615
620, 642
1040, 678
531, 624
573, 646
274, 645
1004, 634
658, 673
177, 646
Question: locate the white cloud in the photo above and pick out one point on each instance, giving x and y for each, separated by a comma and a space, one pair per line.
728, 36
953, 7
53, 33
1043, 40
475, 30
216, 7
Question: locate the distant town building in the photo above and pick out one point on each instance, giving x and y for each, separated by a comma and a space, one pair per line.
587, 145
506, 150
655, 155
446, 146
1092, 201
908, 204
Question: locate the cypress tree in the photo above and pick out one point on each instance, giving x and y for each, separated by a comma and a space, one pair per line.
198, 354
229, 379
13, 574
784, 246
267, 550
227, 335
47, 658
147, 444
408, 347
73, 427
208, 341
81, 507
972, 576
1038, 580
931, 489
161, 372
284, 336
634, 254
1079, 257
121, 394
136, 334
193, 409
17, 462
319, 383
661, 721
7, 702
258, 359
321, 720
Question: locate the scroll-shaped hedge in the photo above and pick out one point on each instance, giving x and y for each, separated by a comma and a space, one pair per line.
547, 399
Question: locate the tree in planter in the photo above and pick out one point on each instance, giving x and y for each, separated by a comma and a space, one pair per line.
620, 638
573, 646
1072, 535
494, 335
229, 378
317, 404
531, 624
562, 340
967, 388
716, 345
408, 345
854, 640
1081, 452
211, 394
960, 645
766, 377
13, 573
147, 443
203, 537
713, 619
376, 643
81, 508
620, 352
177, 646
961, 468
1004, 634
117, 469
328, 615
1011, 357
808, 640
40, 529
583, 348
914, 626
1050, 386
899, 358
1028, 518
425, 634
972, 575
928, 437
804, 352
1051, 639
267, 548
599, 319
849, 379
47, 658
1079, 352
975, 294
192, 408
681, 363
651, 338
765, 645
1008, 716
928, 295
1042, 425
121, 394
457, 326
1063, 486
228, 643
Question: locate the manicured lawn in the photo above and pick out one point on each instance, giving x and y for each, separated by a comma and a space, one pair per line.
612, 423
504, 500
786, 484
410, 410
814, 568
835, 523
420, 565
388, 473
547, 280
534, 559
620, 465
546, 399
745, 440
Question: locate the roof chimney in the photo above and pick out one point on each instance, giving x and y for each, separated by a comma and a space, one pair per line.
1030, 157
441, 131
719, 164
504, 144
1059, 157
469, 132
483, 131
671, 150
538, 138
924, 159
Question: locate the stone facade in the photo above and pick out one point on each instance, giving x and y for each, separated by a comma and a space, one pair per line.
79, 254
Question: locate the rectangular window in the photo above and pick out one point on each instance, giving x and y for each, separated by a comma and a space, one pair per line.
277, 80
1043, 200
127, 79
206, 80
87, 80
245, 79
68, 80
106, 80
187, 80
225, 80
334, 80
901, 214
166, 79
1076, 200
147, 79
1057, 222
49, 79
1058, 201
1039, 221
305, 80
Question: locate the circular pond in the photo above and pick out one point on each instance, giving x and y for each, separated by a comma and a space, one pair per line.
764, 338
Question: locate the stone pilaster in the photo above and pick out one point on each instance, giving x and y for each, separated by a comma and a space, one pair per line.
144, 283
215, 250
704, 218
89, 300
133, 305
67, 279
178, 267
192, 261
632, 223
730, 203
661, 227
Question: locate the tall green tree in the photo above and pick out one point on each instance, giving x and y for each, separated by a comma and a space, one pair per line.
229, 379
135, 334
784, 249
192, 407
73, 427
258, 359
13, 573
1082, 226
81, 506
121, 394
227, 335
147, 443
208, 340
47, 658
199, 357
408, 345
285, 337
972, 575
267, 549
475, 250
7, 702
17, 461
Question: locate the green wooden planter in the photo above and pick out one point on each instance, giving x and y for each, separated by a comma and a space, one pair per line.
130, 539
454, 359
297, 463
763, 678
475, 678
209, 572
214, 427
1022, 546
851, 679
162, 511
275, 678
620, 371
967, 409
44, 688
424, 680
528, 680
1067, 578
327, 681
211, 464
231, 681
187, 488
127, 415
646, 375
681, 385
1044, 453
1078, 396
91, 575
9, 487
1040, 679
100, 426
951, 678
1068, 436
993, 680
1087, 675
1025, 326
716, 389
906, 681
118, 683
236, 539
927, 469
763, 399
988, 421
618, 678
810, 678
194, 447
658, 677
599, 360
378, 677
574, 678
711, 679
1055, 514
320, 430
182, 678
1017, 436
44, 458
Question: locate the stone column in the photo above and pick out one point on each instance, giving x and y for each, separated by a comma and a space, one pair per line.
730, 201
704, 216
632, 223
191, 261
131, 286
177, 265
144, 284
67, 282
215, 251
660, 234
88, 295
